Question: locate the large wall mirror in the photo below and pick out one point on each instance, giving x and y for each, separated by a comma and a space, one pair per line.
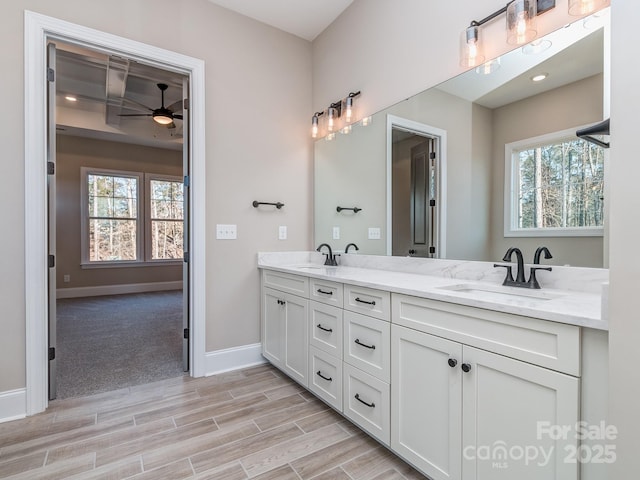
432, 174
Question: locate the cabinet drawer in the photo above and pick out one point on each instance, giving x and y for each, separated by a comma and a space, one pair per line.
369, 301
548, 344
366, 402
367, 344
286, 282
325, 377
326, 292
326, 328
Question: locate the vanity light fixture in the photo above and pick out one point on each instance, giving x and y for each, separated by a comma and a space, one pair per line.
521, 28
585, 7
340, 116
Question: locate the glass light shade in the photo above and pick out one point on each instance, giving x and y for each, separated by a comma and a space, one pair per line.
348, 110
521, 21
585, 7
488, 67
366, 121
162, 119
471, 53
332, 114
314, 126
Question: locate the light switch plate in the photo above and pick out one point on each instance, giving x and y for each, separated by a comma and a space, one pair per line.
282, 232
226, 232
336, 233
374, 233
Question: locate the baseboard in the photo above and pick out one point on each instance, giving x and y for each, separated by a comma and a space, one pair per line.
13, 405
220, 361
77, 292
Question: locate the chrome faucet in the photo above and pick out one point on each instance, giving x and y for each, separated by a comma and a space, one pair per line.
346, 250
331, 259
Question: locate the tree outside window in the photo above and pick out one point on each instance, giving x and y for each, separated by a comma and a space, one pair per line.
166, 216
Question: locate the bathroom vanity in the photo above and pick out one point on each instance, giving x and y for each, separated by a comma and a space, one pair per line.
458, 375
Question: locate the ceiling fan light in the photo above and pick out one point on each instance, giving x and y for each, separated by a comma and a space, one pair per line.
162, 119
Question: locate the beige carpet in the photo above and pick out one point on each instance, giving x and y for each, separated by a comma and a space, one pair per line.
111, 342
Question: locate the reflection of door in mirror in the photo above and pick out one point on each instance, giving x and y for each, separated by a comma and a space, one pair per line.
414, 210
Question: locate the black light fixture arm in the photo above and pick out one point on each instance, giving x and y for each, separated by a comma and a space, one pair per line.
475, 23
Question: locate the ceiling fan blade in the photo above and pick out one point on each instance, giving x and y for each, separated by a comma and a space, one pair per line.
138, 104
179, 117
175, 106
135, 115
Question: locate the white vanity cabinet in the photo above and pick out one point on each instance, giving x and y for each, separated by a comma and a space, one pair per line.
459, 411
285, 341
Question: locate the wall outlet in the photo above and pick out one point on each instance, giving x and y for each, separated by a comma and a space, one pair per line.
374, 233
226, 232
282, 232
336, 233
66, 278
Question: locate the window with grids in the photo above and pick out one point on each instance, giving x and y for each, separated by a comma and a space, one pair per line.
166, 218
113, 216
557, 187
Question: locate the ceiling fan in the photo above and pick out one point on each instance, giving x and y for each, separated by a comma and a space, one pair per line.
163, 115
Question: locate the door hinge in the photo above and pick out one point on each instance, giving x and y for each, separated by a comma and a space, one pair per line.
186, 334
185, 104
52, 261
185, 257
51, 75
432, 249
52, 353
432, 203
432, 155
187, 181
51, 168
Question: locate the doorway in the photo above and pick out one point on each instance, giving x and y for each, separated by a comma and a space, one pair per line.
416, 184
39, 31
115, 147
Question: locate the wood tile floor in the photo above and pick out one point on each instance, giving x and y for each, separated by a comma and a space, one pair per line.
252, 423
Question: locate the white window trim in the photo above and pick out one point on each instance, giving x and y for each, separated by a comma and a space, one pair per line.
84, 218
510, 189
147, 218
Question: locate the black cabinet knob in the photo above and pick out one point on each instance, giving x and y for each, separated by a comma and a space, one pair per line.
466, 367
452, 362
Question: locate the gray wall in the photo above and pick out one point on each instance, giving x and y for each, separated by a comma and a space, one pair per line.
76, 152
253, 72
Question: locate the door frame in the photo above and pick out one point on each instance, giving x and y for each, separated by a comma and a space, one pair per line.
38, 29
440, 136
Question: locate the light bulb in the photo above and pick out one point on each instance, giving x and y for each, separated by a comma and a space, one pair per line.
470, 50
366, 121
331, 119
348, 114
314, 126
584, 7
521, 21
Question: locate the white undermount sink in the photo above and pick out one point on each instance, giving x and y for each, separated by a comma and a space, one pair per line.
494, 291
311, 266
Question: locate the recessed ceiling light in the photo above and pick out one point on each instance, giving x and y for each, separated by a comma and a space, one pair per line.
70, 98
539, 77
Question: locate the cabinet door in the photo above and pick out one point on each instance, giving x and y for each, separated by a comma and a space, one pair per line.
296, 339
273, 327
426, 402
505, 401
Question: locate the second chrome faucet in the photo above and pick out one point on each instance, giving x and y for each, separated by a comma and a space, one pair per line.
519, 280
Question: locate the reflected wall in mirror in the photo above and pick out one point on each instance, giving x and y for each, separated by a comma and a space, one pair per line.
473, 119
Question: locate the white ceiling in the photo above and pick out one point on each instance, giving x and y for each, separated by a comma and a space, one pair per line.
303, 18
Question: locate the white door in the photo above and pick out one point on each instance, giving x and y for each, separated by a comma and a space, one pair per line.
505, 401
296, 337
51, 214
426, 402
273, 326
185, 226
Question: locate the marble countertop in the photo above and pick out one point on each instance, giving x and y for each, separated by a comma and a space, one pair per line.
578, 308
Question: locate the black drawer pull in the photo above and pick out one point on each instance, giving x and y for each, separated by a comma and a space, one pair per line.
324, 329
328, 379
372, 347
370, 405
372, 302
324, 292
